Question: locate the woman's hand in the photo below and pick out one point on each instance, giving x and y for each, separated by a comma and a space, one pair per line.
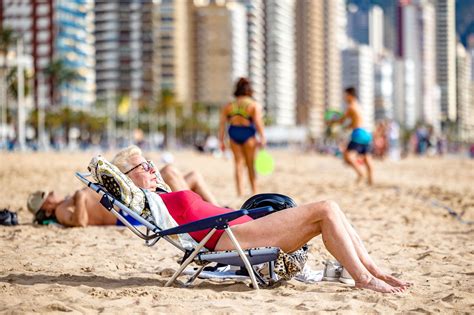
222, 146
262, 142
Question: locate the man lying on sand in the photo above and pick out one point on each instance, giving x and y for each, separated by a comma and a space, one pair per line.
83, 207
287, 229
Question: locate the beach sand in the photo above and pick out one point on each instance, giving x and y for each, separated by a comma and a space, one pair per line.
108, 269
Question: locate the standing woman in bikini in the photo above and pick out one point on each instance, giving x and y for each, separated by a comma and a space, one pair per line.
244, 117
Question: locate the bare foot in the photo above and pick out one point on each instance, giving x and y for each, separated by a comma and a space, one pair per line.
377, 285
359, 179
394, 281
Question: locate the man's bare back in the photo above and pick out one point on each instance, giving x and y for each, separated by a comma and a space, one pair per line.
83, 209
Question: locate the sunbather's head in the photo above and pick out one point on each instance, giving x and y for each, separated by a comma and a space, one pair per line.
42, 203
131, 162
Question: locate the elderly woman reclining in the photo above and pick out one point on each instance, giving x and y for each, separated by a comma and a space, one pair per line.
288, 229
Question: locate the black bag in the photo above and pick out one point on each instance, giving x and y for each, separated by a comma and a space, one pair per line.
8, 217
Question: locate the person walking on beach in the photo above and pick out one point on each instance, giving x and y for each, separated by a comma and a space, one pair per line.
361, 139
244, 117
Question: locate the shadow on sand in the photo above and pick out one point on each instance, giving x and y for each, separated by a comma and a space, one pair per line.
113, 283
76, 280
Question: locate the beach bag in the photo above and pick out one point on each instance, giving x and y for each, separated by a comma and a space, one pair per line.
288, 265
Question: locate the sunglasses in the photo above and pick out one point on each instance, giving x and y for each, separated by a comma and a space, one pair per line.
147, 166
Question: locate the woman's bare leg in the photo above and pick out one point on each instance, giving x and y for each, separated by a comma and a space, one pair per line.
298, 226
191, 181
365, 258
249, 148
173, 177
198, 185
239, 164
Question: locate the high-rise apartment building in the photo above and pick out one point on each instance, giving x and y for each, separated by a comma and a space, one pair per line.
127, 56
319, 28
280, 62
376, 30
383, 88
362, 25
75, 46
417, 42
54, 30
176, 48
256, 47
446, 57
221, 51
464, 99
310, 67
334, 38
358, 72
404, 93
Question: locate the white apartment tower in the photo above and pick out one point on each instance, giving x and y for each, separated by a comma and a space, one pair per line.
376, 30
383, 88
418, 43
256, 47
446, 57
465, 104
404, 93
280, 61
358, 72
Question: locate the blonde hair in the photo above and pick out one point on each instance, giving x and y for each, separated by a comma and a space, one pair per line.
122, 158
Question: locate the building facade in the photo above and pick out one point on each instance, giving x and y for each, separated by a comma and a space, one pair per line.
384, 88
127, 55
280, 62
221, 53
404, 108
176, 35
446, 57
464, 98
320, 25
417, 42
75, 46
376, 30
256, 47
56, 30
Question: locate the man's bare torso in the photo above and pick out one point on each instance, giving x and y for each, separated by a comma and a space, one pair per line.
96, 213
354, 114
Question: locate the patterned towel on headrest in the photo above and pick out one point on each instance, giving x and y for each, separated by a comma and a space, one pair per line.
118, 184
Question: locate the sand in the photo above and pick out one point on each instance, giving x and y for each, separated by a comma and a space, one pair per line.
108, 269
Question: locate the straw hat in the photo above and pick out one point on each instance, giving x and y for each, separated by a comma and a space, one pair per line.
36, 200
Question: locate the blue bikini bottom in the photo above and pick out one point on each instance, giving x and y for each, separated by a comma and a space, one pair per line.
240, 134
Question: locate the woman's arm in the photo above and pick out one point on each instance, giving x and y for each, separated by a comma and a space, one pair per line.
259, 125
222, 122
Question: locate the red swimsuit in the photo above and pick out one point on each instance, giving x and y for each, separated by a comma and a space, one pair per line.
186, 206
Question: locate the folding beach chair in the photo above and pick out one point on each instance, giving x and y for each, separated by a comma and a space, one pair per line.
199, 254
